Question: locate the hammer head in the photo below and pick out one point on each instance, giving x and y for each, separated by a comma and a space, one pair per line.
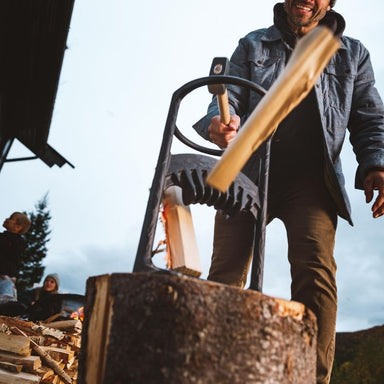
219, 67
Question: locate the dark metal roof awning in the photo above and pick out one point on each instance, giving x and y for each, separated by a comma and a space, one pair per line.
32, 45
47, 154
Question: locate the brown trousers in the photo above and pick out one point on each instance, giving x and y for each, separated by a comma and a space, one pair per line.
310, 219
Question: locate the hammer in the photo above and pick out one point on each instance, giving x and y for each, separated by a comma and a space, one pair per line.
220, 66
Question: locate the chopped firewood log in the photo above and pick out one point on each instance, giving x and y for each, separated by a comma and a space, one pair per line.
25, 326
59, 354
43, 330
73, 375
45, 372
40, 340
71, 342
52, 318
29, 363
74, 341
51, 380
16, 368
182, 251
15, 344
102, 307
65, 325
18, 378
70, 362
63, 342
46, 358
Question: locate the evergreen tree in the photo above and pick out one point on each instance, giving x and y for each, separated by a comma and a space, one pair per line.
31, 268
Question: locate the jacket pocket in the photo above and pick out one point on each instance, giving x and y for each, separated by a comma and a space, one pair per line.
263, 71
338, 82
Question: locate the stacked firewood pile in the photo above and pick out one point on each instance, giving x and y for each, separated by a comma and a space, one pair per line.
39, 353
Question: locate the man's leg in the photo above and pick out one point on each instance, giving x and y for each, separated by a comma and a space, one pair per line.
232, 249
310, 219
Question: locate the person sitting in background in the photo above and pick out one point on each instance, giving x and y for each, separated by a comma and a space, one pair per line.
12, 245
43, 304
50, 286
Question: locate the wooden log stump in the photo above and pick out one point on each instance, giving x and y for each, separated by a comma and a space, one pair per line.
161, 328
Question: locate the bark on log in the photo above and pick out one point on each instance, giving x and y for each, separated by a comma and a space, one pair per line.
160, 328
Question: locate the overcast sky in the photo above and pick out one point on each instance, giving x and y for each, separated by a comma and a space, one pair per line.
121, 68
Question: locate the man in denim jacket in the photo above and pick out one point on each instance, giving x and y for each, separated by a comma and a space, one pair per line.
306, 183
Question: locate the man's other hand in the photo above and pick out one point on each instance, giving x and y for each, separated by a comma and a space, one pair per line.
221, 134
375, 181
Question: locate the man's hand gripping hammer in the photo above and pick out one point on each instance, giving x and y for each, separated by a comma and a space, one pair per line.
220, 67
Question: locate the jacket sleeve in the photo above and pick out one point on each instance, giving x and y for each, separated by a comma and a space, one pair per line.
366, 122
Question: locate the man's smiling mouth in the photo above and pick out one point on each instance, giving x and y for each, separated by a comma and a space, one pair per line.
303, 7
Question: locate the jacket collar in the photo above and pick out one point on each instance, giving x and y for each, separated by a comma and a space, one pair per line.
273, 34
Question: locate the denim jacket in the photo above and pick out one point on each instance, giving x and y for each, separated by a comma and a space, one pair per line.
345, 94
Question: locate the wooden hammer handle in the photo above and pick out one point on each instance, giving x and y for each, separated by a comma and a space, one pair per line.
222, 101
